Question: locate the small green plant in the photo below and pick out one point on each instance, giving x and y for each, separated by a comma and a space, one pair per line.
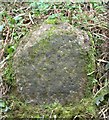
9, 74
3, 106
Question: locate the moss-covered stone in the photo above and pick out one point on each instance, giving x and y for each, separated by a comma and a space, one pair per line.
49, 65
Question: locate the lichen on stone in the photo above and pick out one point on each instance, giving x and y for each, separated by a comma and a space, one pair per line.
49, 66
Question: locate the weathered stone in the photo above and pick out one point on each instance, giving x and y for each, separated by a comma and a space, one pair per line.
50, 65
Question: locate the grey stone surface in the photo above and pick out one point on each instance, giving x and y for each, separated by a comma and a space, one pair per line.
50, 64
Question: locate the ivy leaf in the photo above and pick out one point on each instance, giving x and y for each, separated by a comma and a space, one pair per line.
1, 27
53, 16
11, 49
107, 66
99, 99
2, 104
17, 18
33, 5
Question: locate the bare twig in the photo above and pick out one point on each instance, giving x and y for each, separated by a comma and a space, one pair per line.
100, 90
31, 18
101, 60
